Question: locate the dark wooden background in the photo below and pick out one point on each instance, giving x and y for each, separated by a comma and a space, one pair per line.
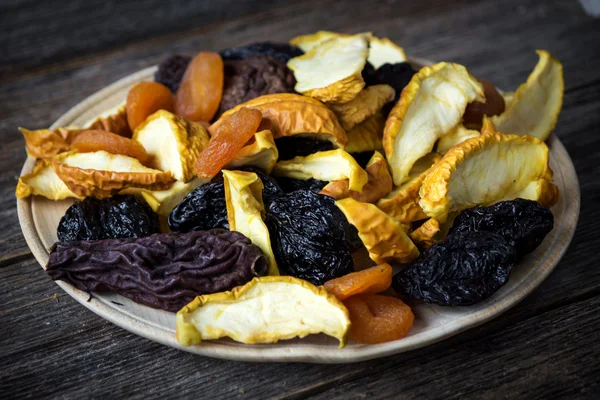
54, 54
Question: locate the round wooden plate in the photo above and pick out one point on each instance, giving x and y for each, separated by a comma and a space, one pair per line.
39, 219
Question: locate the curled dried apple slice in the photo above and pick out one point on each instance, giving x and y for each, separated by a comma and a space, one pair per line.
46, 143
114, 121
43, 181
424, 235
367, 135
384, 51
458, 135
307, 42
366, 103
535, 106
262, 153
296, 309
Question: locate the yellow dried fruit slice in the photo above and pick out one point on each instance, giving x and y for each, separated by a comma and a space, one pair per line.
262, 153
536, 104
307, 42
458, 135
425, 235
330, 165
481, 171
331, 71
163, 201
383, 236
430, 106
245, 210
114, 121
46, 143
43, 181
383, 51
542, 190
296, 308
365, 104
367, 135
173, 143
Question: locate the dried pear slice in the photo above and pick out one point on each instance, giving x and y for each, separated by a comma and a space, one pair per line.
288, 114
367, 135
172, 142
101, 174
265, 310
536, 104
425, 235
331, 71
402, 203
308, 42
430, 106
379, 184
262, 153
163, 201
542, 190
114, 121
331, 165
458, 135
383, 236
365, 104
43, 181
481, 171
384, 51
46, 143
245, 210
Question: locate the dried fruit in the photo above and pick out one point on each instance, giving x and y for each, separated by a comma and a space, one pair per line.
294, 146
115, 218
230, 137
308, 42
201, 88
281, 51
370, 280
493, 105
91, 140
397, 75
144, 99
170, 71
384, 51
425, 235
163, 201
43, 181
113, 121
366, 103
378, 319
46, 143
262, 153
163, 271
367, 135
457, 135
290, 184
296, 309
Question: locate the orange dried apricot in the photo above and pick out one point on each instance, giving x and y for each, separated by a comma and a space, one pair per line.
370, 280
201, 88
95, 140
377, 319
144, 99
234, 132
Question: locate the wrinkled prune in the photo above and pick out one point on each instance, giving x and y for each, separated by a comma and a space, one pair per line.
111, 218
308, 236
281, 51
163, 271
363, 158
171, 70
369, 74
524, 223
293, 146
397, 76
291, 184
464, 269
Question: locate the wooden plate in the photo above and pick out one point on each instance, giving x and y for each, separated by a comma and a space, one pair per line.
39, 219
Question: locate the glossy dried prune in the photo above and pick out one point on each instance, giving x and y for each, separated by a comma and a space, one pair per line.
164, 271
524, 223
291, 184
293, 146
363, 158
281, 51
369, 74
397, 76
462, 270
111, 218
170, 71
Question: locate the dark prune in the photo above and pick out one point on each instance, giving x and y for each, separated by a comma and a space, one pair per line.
369, 74
293, 146
111, 218
524, 223
363, 158
308, 236
163, 271
281, 51
291, 184
397, 76
171, 70
464, 269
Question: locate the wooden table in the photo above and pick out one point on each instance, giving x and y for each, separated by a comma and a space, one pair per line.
54, 54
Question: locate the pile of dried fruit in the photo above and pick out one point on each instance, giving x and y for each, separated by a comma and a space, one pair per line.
271, 164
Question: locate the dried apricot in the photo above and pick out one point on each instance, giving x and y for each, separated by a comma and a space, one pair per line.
371, 280
95, 140
377, 319
145, 99
201, 88
233, 133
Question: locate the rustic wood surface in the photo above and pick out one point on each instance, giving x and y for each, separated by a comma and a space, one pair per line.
56, 53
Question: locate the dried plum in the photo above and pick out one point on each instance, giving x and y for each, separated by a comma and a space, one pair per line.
171, 70
462, 270
397, 76
293, 146
281, 51
111, 218
308, 236
363, 158
291, 184
369, 74
163, 271
524, 223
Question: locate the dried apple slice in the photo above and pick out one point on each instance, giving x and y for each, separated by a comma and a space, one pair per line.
307, 42
366, 103
482, 171
367, 135
384, 51
172, 142
430, 107
262, 153
46, 143
163, 201
101, 174
458, 135
43, 181
536, 104
424, 235
383, 236
114, 121
245, 210
331, 71
330, 165
296, 308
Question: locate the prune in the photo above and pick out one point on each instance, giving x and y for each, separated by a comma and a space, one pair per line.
369, 74
171, 70
163, 271
281, 51
308, 236
363, 158
464, 269
523, 223
291, 184
397, 76
111, 218
292, 146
